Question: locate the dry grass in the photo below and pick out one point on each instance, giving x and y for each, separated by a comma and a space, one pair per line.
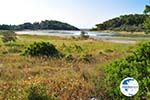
67, 79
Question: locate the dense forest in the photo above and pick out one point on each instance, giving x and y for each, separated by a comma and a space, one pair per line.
132, 22
47, 24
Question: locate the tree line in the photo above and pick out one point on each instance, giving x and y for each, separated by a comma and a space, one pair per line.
132, 22
147, 21
47, 24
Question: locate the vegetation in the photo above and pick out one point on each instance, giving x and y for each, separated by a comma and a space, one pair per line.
130, 23
39, 93
27, 77
88, 68
42, 49
147, 9
47, 24
147, 21
83, 35
8, 36
136, 65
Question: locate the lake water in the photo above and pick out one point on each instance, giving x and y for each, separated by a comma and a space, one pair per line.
65, 33
113, 37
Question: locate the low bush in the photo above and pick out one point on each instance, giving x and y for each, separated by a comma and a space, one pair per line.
69, 58
42, 49
72, 48
39, 93
137, 66
9, 36
87, 58
84, 35
109, 51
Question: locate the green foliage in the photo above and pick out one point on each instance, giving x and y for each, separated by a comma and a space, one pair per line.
124, 23
87, 58
69, 82
108, 51
5, 27
72, 48
44, 49
147, 25
147, 21
100, 89
9, 36
147, 9
39, 93
136, 66
47, 24
14, 47
84, 35
56, 25
69, 58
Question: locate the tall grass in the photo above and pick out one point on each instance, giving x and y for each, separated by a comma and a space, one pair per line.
69, 78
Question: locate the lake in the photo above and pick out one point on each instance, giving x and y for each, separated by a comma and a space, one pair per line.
113, 37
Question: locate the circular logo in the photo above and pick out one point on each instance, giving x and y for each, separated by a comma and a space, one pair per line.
129, 86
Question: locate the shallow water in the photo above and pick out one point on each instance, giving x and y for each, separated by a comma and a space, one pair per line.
112, 37
64, 33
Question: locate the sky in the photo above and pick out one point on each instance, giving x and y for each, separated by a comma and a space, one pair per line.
80, 13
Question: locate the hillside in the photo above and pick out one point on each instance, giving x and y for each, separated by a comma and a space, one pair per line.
47, 24
123, 23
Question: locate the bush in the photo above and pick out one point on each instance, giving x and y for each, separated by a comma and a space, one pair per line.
147, 25
9, 36
137, 66
72, 48
84, 35
42, 49
108, 51
87, 58
39, 93
69, 58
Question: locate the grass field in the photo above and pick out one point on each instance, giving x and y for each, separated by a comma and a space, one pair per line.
68, 78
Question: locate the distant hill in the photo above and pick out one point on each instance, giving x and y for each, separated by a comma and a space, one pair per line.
123, 23
43, 25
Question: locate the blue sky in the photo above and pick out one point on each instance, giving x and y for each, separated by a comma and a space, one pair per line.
80, 13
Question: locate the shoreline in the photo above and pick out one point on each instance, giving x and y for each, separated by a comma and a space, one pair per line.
121, 32
118, 37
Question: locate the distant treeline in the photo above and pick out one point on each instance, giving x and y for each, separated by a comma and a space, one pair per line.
124, 23
43, 25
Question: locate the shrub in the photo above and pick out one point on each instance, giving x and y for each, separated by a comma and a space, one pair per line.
69, 58
39, 93
87, 58
78, 48
72, 48
108, 51
84, 35
43, 49
137, 66
9, 36
147, 25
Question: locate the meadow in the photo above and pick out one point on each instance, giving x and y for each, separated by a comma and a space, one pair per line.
73, 77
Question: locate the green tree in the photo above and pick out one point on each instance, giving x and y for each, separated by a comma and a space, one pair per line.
47, 24
147, 9
131, 23
147, 21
